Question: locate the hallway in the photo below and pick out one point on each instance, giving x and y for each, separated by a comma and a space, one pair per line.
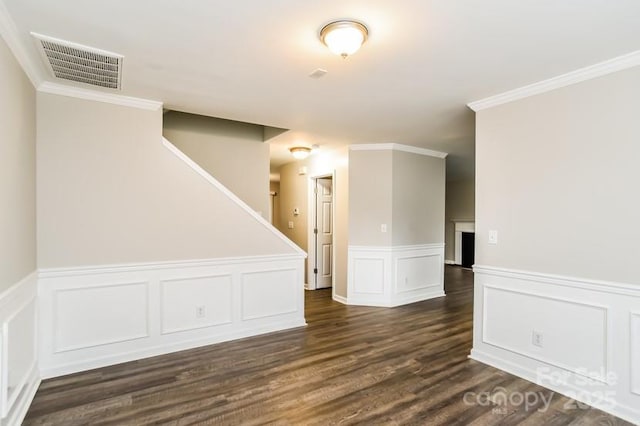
350, 365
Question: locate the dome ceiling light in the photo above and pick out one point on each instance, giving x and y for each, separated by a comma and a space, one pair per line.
300, 152
344, 37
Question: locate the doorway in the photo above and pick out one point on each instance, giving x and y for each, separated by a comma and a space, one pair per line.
321, 268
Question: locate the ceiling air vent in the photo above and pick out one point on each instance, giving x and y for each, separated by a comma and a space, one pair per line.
71, 61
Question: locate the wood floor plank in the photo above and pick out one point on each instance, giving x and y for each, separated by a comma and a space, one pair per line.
351, 365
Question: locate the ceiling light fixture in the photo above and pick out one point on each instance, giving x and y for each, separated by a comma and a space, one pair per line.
345, 37
300, 152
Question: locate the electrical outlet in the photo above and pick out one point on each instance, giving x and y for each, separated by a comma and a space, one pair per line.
536, 338
290, 225
200, 311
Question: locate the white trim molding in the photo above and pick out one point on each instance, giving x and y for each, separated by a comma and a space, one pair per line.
9, 32
29, 59
576, 336
619, 63
561, 280
394, 275
214, 182
97, 96
19, 375
397, 147
311, 247
461, 226
162, 308
634, 356
339, 299
158, 266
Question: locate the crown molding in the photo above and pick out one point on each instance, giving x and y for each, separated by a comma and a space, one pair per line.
397, 147
34, 71
619, 63
94, 95
9, 33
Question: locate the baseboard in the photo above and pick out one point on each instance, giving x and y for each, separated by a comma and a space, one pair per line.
21, 406
449, 262
108, 360
340, 299
579, 394
394, 302
405, 300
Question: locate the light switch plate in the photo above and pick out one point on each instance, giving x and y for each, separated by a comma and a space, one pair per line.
493, 236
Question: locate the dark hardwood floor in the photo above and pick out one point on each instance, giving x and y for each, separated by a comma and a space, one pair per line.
350, 365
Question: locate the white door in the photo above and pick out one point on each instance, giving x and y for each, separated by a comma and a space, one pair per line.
323, 231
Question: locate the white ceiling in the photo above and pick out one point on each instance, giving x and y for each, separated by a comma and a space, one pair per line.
423, 62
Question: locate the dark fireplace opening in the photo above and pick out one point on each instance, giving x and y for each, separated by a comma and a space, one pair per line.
468, 249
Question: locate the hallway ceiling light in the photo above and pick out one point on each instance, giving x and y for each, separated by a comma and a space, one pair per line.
300, 152
345, 37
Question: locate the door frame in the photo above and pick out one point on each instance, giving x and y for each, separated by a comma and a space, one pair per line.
311, 241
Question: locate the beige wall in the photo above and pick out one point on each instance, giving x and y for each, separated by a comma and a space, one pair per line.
109, 192
232, 152
294, 191
418, 199
460, 205
370, 201
403, 190
17, 172
558, 178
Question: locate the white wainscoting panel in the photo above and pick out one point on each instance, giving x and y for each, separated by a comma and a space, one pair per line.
19, 376
507, 312
277, 287
589, 345
98, 316
368, 275
197, 302
395, 275
635, 352
418, 272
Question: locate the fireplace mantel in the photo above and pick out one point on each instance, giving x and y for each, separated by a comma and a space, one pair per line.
464, 225
461, 225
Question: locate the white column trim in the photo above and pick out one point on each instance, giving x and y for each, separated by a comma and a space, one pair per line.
390, 277
397, 147
98, 96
